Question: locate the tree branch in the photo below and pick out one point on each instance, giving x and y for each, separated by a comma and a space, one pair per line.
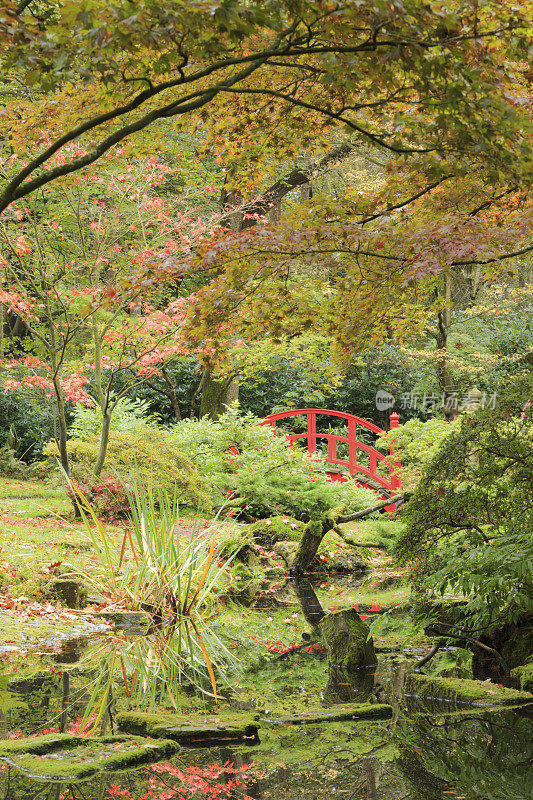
366, 511
278, 190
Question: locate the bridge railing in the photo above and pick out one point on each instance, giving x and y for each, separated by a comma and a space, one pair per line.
389, 482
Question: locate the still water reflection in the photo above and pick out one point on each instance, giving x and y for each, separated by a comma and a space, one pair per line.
421, 754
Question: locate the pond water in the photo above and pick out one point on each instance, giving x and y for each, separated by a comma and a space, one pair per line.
425, 751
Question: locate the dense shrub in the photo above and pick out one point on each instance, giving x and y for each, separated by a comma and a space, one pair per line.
150, 454
238, 455
416, 443
107, 495
32, 419
469, 522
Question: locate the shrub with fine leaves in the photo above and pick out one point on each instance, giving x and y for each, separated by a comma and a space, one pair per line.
237, 454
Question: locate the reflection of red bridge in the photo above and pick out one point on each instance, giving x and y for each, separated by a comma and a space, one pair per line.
367, 474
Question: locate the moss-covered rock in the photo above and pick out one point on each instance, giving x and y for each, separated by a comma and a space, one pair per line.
61, 757
236, 542
70, 592
523, 675
32, 683
348, 562
463, 690
277, 529
288, 552
340, 713
189, 732
346, 637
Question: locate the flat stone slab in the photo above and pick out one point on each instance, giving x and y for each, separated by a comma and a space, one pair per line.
188, 733
62, 757
338, 714
459, 690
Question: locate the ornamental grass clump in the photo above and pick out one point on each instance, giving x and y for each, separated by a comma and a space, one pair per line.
174, 575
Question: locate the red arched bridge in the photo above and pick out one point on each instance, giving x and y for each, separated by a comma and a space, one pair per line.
358, 451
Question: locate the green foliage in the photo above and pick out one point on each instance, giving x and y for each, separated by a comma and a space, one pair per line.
30, 415
151, 454
238, 455
416, 443
9, 464
208, 442
469, 522
128, 416
386, 532
291, 490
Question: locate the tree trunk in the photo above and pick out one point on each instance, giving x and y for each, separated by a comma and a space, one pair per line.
312, 535
310, 604
62, 425
444, 376
217, 395
171, 394
104, 440
275, 211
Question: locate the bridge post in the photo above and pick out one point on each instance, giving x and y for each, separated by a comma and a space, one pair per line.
352, 446
395, 482
311, 432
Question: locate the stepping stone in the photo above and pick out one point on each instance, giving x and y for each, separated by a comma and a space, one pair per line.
189, 733
338, 714
459, 690
61, 757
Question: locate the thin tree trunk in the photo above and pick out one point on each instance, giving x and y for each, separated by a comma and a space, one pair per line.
444, 376
62, 424
197, 392
65, 695
104, 441
171, 394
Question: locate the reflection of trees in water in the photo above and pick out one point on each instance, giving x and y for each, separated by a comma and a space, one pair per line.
483, 756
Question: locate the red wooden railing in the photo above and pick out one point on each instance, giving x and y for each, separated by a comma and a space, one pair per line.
391, 483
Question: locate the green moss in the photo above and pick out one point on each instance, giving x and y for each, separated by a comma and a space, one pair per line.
126, 618
339, 713
462, 690
32, 682
314, 744
241, 572
346, 637
277, 529
235, 540
524, 676
188, 729
61, 757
